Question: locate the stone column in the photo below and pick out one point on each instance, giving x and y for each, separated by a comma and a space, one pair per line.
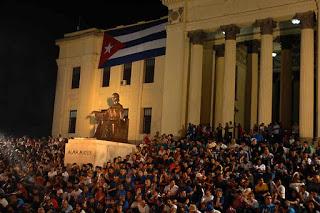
84, 128
173, 105
251, 111
265, 78
306, 76
318, 79
219, 74
286, 82
60, 98
207, 83
213, 76
195, 84
229, 73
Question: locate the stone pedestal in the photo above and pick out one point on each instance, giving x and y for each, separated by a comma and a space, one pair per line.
97, 152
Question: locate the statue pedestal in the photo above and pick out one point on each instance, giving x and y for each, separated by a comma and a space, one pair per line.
96, 152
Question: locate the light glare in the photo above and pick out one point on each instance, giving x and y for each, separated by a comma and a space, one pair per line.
295, 21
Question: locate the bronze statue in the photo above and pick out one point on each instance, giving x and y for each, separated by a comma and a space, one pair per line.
111, 123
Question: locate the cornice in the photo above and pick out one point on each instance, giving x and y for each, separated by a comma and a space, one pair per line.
168, 3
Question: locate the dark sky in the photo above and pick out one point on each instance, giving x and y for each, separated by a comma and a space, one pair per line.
28, 52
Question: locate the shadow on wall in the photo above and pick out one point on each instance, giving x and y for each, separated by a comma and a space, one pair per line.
109, 101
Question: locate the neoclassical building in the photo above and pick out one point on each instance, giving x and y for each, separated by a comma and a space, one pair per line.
245, 61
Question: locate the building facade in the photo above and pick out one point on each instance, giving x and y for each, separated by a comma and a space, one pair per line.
244, 61
82, 88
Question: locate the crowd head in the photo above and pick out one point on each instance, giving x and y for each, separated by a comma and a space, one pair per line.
209, 170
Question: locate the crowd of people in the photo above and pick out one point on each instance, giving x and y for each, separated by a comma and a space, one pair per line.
209, 170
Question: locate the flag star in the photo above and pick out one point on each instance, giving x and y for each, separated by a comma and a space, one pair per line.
107, 49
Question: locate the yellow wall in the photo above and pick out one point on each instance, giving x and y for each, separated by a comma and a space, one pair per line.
83, 49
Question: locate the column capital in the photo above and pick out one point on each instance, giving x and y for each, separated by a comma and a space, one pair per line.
230, 31
252, 46
197, 36
219, 50
175, 15
266, 25
306, 19
170, 2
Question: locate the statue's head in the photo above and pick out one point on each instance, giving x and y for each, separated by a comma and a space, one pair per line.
115, 98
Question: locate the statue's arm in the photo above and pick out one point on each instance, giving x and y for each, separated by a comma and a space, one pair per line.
122, 114
98, 115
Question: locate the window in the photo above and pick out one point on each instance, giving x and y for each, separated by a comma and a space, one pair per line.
126, 113
72, 121
75, 78
127, 73
106, 77
147, 112
149, 70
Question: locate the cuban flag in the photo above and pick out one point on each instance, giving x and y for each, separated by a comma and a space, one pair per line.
133, 43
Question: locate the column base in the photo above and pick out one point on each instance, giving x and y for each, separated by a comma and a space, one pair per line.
316, 142
311, 141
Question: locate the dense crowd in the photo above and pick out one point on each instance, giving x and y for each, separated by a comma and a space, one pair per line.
220, 170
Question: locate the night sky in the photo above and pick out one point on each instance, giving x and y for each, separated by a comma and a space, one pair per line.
28, 52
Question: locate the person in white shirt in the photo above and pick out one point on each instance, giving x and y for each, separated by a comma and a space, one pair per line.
193, 209
276, 129
76, 192
65, 176
278, 189
260, 167
52, 173
250, 200
171, 189
245, 163
296, 182
170, 207
3, 202
143, 207
140, 204
303, 193
207, 197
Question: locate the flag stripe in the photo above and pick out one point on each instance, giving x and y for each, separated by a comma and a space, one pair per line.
137, 43
139, 34
139, 48
134, 28
151, 37
136, 56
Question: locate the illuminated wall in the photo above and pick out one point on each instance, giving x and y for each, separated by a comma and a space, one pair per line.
82, 49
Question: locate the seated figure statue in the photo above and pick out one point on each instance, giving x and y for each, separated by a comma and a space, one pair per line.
111, 123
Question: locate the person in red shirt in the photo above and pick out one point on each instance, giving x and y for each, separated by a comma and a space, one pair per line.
100, 195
